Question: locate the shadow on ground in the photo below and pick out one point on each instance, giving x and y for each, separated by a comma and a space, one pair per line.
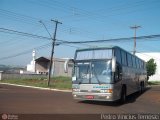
130, 99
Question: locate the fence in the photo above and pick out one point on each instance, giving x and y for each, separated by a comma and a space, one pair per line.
9, 76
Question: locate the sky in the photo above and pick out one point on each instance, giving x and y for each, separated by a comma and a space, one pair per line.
82, 20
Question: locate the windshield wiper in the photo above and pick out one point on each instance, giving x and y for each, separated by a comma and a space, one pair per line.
96, 77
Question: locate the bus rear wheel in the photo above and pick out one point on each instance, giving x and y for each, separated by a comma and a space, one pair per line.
141, 87
123, 95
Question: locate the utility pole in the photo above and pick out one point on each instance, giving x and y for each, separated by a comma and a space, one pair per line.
135, 30
52, 52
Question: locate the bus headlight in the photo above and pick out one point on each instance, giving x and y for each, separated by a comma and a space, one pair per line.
75, 90
107, 97
74, 95
106, 91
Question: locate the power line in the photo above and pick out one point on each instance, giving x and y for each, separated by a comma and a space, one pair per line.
26, 51
77, 42
33, 21
67, 43
113, 40
5, 30
10, 31
30, 50
19, 17
92, 14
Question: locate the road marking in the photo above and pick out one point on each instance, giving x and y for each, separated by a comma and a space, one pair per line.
37, 87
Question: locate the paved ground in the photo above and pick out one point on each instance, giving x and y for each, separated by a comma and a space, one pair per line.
19, 100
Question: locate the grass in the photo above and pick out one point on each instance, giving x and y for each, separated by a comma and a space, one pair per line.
56, 82
154, 82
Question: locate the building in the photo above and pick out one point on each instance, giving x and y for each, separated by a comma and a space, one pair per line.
31, 66
42, 66
156, 57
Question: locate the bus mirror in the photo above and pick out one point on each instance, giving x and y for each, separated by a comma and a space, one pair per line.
113, 64
66, 65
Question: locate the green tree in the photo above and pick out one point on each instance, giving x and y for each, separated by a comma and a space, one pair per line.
151, 67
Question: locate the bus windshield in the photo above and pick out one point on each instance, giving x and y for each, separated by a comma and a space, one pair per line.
93, 72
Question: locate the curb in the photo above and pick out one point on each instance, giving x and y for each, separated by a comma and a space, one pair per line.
40, 88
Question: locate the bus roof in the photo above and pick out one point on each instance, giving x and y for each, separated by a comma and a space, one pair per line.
98, 48
106, 47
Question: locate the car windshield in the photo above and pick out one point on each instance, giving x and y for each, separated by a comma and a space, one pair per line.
95, 72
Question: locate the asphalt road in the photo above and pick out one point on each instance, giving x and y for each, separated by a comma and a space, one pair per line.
20, 100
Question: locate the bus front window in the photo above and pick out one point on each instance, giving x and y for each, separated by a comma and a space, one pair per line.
101, 72
82, 72
95, 72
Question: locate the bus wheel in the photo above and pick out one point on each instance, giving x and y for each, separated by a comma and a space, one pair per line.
141, 87
123, 95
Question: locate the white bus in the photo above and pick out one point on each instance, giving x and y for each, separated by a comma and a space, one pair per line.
107, 74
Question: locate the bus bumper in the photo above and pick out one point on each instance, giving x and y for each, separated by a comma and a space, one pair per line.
94, 96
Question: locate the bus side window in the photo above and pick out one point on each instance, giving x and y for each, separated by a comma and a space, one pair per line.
124, 59
118, 72
129, 58
118, 55
140, 64
137, 63
134, 61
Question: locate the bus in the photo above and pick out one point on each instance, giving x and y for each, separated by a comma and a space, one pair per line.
107, 74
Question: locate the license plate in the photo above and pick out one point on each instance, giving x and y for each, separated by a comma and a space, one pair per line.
90, 97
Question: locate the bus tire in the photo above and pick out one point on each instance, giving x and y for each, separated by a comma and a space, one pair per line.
141, 87
123, 95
